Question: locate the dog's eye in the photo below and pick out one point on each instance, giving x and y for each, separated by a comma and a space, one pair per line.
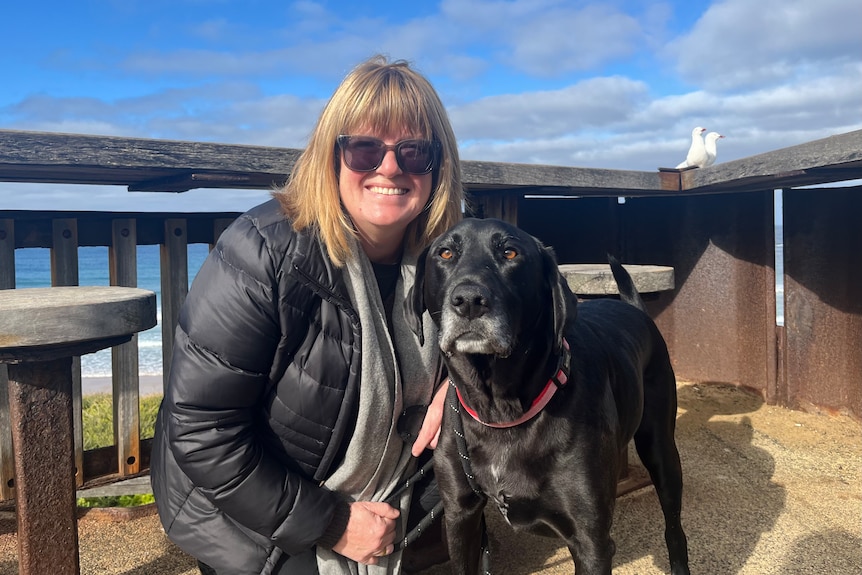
445, 254
510, 254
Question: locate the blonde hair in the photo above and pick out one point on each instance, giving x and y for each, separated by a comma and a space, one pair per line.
386, 98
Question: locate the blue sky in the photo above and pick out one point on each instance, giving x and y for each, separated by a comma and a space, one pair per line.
616, 84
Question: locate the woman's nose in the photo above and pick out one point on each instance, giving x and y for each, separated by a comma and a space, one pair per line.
389, 165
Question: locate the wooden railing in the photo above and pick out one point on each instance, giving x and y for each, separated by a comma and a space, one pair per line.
63, 233
713, 226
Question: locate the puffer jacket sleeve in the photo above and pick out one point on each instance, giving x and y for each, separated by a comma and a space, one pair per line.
227, 335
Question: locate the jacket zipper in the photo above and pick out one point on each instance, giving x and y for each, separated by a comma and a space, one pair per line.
325, 293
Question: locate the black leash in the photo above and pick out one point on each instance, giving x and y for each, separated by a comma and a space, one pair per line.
426, 521
461, 441
427, 469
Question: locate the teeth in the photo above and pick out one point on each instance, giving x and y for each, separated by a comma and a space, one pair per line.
388, 191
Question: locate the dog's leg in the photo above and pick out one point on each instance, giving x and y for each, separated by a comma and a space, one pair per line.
593, 558
592, 511
661, 459
657, 450
463, 527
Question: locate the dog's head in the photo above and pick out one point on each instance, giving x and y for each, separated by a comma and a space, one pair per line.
484, 284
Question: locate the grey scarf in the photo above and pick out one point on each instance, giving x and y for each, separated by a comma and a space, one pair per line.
396, 373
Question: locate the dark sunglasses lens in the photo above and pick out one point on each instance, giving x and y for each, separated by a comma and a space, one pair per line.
366, 154
415, 156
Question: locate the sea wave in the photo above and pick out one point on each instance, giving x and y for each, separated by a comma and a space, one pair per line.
99, 364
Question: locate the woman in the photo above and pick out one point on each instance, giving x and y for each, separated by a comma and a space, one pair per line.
277, 442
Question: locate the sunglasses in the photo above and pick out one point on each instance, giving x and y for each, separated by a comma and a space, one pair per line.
365, 154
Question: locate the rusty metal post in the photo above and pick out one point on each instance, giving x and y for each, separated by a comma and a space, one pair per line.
41, 392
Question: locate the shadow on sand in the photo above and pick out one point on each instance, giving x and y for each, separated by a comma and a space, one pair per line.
729, 499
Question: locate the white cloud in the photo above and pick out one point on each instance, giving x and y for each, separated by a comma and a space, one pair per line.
548, 38
739, 43
592, 104
616, 123
212, 30
563, 40
228, 113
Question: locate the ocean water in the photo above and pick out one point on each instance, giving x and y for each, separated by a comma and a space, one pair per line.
33, 269
779, 275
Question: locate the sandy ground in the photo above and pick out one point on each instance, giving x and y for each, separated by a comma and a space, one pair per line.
149, 385
768, 492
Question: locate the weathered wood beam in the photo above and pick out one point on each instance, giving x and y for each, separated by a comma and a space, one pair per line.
40, 157
34, 229
563, 180
176, 166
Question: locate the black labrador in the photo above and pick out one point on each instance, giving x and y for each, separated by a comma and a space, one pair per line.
549, 393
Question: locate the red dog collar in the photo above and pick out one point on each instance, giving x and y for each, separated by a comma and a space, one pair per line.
560, 378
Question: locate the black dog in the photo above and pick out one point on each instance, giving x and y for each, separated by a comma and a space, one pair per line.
554, 391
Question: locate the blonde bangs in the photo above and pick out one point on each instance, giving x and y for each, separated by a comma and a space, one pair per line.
385, 104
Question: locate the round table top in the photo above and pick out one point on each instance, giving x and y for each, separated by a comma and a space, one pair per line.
597, 279
58, 316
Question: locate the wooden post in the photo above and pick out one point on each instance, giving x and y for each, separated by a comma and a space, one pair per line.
64, 272
7, 281
125, 379
175, 285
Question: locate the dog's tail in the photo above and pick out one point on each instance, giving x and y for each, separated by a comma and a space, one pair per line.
625, 285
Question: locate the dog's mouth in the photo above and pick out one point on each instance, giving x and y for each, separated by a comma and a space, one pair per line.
469, 342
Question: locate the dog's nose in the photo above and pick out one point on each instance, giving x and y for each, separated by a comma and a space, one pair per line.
470, 300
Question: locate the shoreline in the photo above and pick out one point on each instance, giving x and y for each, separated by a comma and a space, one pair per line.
149, 385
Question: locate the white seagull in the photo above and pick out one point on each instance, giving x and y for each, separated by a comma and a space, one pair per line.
709, 144
696, 156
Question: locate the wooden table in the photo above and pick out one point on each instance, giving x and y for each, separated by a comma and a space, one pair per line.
41, 329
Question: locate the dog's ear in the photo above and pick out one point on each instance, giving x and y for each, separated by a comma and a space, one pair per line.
414, 304
564, 302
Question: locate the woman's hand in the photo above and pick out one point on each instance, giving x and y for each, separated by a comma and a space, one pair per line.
429, 433
370, 532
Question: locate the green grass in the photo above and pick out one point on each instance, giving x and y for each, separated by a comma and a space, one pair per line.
98, 418
98, 422
117, 500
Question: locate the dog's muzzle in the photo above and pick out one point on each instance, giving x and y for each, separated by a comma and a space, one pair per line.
474, 322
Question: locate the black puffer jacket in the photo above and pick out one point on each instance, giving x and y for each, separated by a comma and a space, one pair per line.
261, 394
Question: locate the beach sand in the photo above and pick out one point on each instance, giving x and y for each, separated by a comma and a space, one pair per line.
149, 385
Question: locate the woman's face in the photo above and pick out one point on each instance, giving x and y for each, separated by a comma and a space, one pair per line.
384, 201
